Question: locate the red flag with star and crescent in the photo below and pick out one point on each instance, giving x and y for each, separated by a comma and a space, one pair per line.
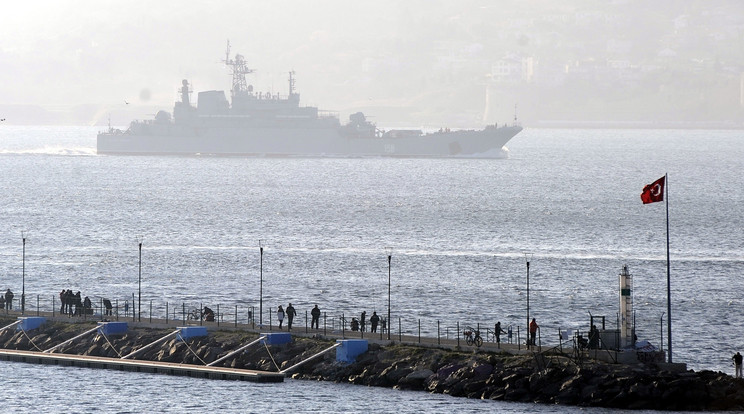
653, 192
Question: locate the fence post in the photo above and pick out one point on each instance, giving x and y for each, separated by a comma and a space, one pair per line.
439, 341
419, 333
458, 334
539, 340
519, 340
150, 310
218, 315
167, 309
306, 321
400, 331
236, 316
324, 322
37, 305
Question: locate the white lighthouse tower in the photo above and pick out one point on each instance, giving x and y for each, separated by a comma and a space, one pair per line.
627, 330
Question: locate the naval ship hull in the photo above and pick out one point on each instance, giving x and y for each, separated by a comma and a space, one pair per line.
302, 142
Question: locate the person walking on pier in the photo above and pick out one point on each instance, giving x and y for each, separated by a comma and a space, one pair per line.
315, 313
291, 313
533, 331
280, 316
737, 363
374, 320
497, 331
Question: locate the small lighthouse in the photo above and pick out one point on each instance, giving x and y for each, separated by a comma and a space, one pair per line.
627, 330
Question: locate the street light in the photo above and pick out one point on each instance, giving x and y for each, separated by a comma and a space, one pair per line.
527, 258
139, 282
23, 276
389, 251
260, 289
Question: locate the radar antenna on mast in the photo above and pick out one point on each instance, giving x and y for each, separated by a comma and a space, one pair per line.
239, 70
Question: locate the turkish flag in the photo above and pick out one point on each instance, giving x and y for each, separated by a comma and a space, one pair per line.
653, 192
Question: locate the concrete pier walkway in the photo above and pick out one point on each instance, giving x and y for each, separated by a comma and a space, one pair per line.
155, 367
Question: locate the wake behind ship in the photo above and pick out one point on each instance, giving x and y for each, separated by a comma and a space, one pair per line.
266, 124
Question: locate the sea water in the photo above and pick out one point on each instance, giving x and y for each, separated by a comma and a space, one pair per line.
458, 231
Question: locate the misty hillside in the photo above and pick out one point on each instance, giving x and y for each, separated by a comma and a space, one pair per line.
421, 62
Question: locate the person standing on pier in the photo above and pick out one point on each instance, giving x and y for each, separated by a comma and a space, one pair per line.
593, 337
87, 306
8, 299
280, 316
69, 299
497, 331
315, 313
78, 304
533, 331
291, 313
374, 320
737, 363
363, 321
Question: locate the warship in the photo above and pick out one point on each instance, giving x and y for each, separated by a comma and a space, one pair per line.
265, 124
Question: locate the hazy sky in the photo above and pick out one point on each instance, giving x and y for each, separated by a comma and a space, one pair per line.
93, 51
432, 57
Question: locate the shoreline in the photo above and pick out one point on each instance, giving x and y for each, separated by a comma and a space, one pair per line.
552, 376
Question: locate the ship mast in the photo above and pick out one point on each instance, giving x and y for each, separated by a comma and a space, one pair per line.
291, 83
239, 70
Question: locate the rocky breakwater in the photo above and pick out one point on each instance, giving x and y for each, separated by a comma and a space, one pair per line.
549, 379
536, 378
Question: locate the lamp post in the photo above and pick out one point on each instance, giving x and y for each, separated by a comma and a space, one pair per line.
527, 258
23, 276
139, 283
389, 251
260, 288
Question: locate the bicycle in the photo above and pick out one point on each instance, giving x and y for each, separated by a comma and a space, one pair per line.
472, 337
194, 315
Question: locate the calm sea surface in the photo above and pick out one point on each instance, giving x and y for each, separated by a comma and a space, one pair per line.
459, 232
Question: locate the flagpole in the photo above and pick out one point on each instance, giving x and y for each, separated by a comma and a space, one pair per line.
669, 283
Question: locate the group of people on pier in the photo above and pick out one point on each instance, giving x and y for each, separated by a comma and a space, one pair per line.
73, 304
290, 312
356, 324
361, 323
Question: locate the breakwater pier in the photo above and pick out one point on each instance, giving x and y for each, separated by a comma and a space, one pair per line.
168, 368
510, 373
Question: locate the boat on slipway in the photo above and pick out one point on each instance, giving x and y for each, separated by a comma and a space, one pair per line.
266, 124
